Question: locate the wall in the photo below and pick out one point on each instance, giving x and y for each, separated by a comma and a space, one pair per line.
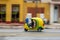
46, 7
8, 8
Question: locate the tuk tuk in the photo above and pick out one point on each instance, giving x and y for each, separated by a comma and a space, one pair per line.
37, 26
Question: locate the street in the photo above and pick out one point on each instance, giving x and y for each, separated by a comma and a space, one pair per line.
20, 34
29, 38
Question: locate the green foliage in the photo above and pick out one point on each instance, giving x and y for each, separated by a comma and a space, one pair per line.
14, 12
2, 12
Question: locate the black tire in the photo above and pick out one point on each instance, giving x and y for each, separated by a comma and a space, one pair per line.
25, 30
39, 30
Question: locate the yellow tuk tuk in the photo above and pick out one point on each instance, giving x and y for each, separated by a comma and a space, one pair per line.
38, 26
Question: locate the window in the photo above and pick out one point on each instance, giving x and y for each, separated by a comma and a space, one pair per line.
15, 13
2, 12
56, 0
34, 1
28, 1
56, 7
40, 10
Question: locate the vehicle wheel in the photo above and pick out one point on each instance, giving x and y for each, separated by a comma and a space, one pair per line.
25, 30
39, 30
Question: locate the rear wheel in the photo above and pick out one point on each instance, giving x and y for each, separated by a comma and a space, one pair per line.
39, 29
25, 30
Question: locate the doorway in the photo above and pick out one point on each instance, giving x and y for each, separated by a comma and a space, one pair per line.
2, 13
15, 13
56, 13
32, 11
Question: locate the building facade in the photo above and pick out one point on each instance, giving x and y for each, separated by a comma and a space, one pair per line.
13, 11
48, 9
37, 9
55, 11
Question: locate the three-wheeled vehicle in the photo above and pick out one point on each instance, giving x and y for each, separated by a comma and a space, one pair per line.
37, 26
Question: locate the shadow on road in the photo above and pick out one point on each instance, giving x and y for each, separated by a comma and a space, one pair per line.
35, 31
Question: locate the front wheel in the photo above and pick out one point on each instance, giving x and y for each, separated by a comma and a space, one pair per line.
25, 30
39, 30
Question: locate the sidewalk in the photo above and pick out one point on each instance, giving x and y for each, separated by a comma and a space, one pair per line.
54, 26
19, 26
11, 26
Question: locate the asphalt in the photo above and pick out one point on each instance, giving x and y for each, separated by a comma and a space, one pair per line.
29, 38
21, 32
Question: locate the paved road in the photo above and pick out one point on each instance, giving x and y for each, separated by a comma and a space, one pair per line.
22, 30
29, 38
19, 34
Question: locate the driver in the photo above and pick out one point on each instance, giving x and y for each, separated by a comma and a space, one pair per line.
33, 23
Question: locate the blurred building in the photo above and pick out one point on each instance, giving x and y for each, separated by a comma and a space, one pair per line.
11, 11
37, 8
15, 11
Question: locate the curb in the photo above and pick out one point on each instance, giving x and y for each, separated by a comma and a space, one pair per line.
11, 27
52, 26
